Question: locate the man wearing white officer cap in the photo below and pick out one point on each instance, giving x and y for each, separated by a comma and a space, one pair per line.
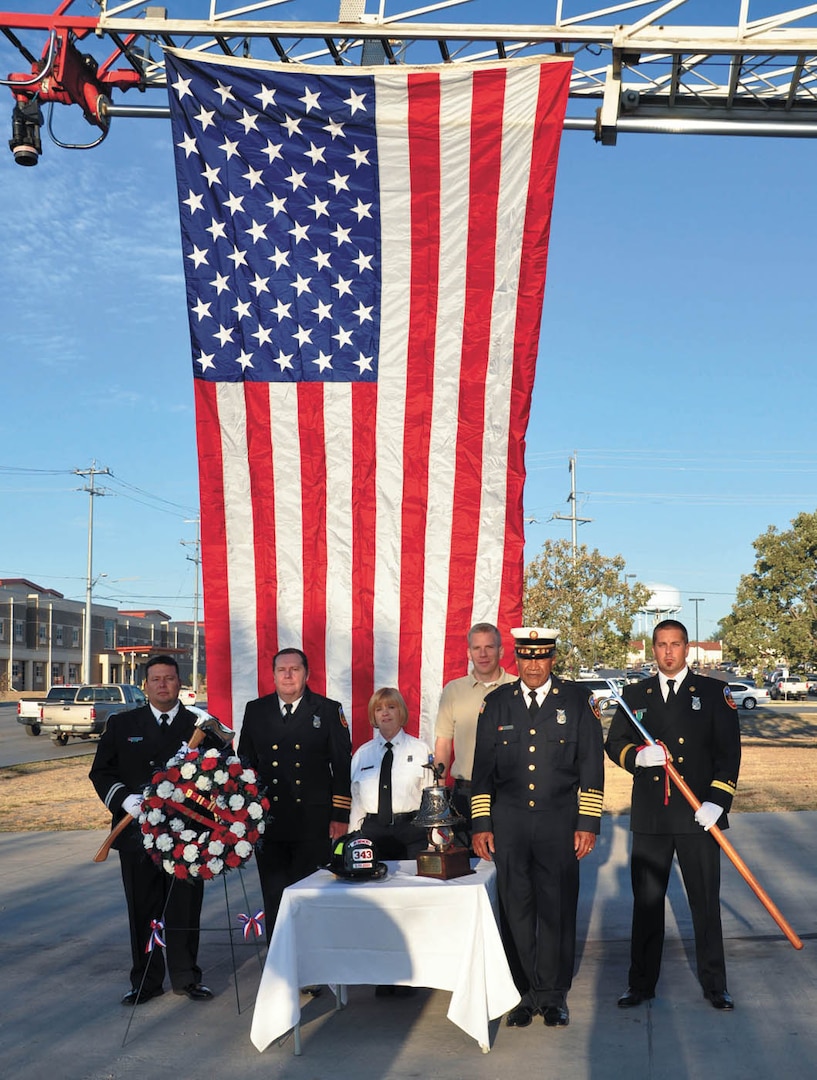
536, 801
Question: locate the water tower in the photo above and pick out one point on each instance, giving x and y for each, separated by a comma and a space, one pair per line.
664, 603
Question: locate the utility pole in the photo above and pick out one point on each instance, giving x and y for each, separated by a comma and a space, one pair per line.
197, 560
697, 600
11, 646
572, 517
91, 473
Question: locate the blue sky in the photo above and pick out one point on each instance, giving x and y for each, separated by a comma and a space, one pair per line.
675, 360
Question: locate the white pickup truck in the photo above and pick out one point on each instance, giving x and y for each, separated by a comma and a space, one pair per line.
29, 710
789, 688
86, 716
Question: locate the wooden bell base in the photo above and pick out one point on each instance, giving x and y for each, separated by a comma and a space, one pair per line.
451, 863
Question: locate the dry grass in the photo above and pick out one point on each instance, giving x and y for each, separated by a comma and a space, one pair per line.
58, 795
772, 778
50, 795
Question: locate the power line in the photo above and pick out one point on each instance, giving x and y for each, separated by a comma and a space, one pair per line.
149, 495
35, 472
156, 502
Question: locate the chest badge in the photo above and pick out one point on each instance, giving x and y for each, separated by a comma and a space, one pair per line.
316, 721
696, 704
561, 717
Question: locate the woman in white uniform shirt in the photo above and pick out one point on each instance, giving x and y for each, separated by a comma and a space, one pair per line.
393, 833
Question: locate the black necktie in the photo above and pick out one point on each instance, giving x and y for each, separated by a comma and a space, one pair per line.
670, 689
533, 707
169, 742
287, 711
384, 807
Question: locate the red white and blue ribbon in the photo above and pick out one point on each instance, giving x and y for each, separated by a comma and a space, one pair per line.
157, 928
251, 922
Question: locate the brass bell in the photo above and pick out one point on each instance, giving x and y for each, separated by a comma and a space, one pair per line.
435, 810
441, 859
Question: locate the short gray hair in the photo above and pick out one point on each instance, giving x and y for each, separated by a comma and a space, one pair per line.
485, 628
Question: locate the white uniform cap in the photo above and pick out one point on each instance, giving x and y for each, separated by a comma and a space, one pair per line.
533, 641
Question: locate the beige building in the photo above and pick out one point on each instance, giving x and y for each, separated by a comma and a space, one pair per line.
42, 635
703, 654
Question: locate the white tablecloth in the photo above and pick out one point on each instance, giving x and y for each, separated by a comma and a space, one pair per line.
404, 930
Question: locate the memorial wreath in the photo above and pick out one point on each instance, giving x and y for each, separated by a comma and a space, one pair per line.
202, 814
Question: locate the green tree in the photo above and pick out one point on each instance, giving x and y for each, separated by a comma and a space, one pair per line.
775, 609
588, 599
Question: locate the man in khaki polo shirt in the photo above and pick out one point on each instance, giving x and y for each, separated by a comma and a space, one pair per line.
460, 703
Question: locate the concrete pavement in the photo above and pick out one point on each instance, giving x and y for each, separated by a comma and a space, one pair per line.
64, 957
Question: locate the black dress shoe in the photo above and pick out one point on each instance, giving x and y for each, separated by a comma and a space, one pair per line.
195, 991
521, 1016
313, 991
719, 999
556, 1015
134, 997
631, 998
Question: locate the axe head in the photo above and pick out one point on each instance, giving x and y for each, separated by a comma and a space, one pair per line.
211, 725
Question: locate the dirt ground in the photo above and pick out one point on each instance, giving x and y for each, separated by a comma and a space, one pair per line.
778, 773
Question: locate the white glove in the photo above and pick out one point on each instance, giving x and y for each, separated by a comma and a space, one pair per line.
648, 756
132, 805
708, 814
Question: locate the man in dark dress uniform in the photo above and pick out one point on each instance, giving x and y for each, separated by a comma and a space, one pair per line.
536, 800
299, 744
133, 746
696, 720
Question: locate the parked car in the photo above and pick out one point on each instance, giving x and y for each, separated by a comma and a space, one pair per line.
87, 715
29, 711
748, 696
788, 687
634, 676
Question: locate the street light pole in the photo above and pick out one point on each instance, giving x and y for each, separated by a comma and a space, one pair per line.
197, 560
626, 590
697, 600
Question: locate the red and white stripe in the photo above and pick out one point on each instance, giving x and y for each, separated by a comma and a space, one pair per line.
372, 524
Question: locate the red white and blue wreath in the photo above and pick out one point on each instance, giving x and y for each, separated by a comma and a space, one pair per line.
202, 814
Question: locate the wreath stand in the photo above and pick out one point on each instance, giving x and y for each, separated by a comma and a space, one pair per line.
251, 930
212, 789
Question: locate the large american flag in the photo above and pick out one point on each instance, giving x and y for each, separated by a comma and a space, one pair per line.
365, 254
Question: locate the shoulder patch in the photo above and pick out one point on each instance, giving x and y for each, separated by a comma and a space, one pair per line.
341, 717
594, 705
727, 695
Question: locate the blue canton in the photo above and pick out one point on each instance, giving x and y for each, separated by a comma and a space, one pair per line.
279, 195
